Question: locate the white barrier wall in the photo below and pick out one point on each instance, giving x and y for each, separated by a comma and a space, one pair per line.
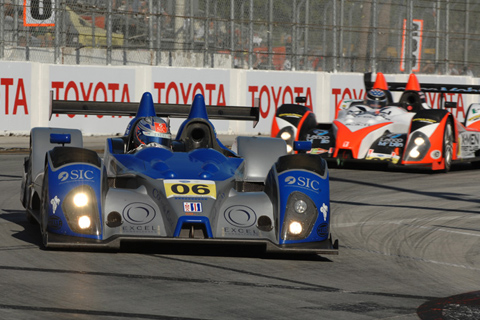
25, 87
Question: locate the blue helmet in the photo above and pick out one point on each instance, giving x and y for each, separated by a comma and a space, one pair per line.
152, 130
376, 98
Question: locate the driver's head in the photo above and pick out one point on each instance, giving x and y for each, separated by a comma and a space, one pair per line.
376, 98
152, 130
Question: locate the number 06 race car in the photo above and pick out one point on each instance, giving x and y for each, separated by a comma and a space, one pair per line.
194, 190
407, 132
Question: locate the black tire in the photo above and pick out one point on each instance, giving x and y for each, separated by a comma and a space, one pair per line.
448, 146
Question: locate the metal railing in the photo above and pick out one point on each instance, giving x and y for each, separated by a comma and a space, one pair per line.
390, 36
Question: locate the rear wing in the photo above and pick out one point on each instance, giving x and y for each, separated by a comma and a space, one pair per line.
161, 109
428, 87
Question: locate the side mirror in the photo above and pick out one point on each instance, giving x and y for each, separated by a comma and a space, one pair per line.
60, 138
300, 99
450, 104
302, 146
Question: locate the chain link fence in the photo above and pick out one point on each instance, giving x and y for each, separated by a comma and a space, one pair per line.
390, 36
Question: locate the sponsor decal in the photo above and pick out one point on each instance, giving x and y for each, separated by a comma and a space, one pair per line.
425, 120
55, 202
393, 157
161, 127
55, 223
317, 151
290, 115
320, 132
322, 137
272, 97
303, 182
324, 210
139, 213
239, 232
391, 142
192, 206
474, 118
322, 230
240, 216
140, 229
471, 139
89, 91
188, 199
75, 175
189, 188
346, 144
351, 123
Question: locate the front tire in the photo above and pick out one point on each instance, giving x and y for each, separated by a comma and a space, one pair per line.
448, 146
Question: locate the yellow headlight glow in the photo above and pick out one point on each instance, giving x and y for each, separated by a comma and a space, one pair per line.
285, 135
80, 199
295, 227
419, 141
84, 222
414, 153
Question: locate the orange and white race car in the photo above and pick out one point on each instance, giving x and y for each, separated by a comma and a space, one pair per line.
408, 132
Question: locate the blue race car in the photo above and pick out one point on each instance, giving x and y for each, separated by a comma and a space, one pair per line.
149, 187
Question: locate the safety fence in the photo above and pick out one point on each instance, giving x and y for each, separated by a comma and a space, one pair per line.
390, 36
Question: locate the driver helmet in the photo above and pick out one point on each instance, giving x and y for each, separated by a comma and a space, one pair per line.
376, 98
152, 131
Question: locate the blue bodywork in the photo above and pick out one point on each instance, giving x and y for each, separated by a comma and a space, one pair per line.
159, 163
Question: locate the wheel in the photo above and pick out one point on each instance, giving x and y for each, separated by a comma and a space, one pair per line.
448, 146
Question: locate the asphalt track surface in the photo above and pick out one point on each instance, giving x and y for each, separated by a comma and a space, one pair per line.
409, 249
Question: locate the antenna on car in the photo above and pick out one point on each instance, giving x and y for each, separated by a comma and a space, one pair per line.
300, 99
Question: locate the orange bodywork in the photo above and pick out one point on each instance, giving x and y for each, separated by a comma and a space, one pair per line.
348, 140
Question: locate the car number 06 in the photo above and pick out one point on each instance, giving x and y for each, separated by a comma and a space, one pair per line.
195, 188
199, 189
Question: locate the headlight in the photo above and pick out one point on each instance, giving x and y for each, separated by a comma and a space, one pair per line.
419, 141
80, 208
84, 222
285, 135
417, 147
300, 216
295, 228
80, 199
300, 206
414, 153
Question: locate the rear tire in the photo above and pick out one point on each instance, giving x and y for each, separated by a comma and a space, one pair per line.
448, 146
